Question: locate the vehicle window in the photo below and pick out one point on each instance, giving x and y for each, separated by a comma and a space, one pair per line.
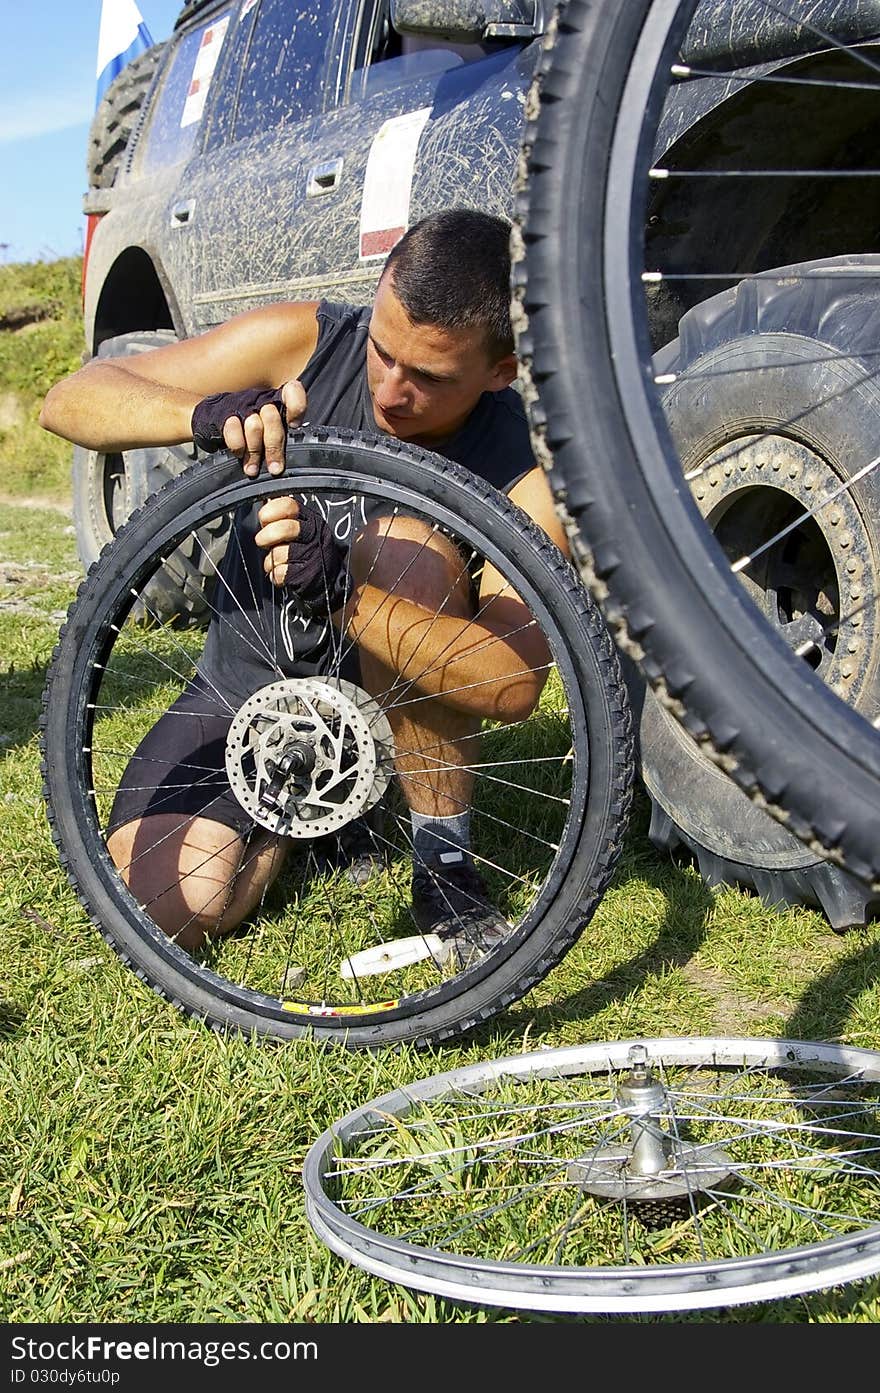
383, 58
282, 78
225, 96
177, 111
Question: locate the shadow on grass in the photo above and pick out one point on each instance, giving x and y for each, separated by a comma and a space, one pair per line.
828, 1008
12, 1018
688, 904
21, 692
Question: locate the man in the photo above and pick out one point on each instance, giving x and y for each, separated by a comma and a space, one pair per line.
430, 363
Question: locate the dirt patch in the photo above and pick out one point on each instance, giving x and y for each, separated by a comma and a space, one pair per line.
24, 315
18, 582
34, 502
33, 573
732, 1009
12, 414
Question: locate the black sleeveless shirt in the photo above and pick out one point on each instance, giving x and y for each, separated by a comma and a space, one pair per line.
260, 632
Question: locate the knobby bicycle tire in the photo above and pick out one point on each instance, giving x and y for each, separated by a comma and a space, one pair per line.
110, 485
641, 544
551, 792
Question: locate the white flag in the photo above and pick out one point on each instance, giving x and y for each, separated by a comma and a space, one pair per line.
123, 36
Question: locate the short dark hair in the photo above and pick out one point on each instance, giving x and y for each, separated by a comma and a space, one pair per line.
452, 269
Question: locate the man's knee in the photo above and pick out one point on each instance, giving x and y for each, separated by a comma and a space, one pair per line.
409, 557
196, 878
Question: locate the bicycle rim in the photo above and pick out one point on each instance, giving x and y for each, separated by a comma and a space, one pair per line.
321, 955
746, 691
528, 1182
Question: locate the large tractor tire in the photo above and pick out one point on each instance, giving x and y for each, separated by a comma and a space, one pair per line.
762, 448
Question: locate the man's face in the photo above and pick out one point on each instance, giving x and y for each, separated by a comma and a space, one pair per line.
425, 381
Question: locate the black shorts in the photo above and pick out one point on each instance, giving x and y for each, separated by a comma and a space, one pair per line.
180, 767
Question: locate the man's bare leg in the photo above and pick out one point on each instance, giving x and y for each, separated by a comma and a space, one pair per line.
196, 878
435, 744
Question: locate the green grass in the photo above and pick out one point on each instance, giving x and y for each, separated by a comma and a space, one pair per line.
32, 358
150, 1169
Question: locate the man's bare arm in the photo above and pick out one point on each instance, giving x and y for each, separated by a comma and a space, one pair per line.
533, 495
494, 665
148, 399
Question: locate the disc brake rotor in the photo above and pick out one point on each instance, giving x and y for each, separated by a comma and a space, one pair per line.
307, 755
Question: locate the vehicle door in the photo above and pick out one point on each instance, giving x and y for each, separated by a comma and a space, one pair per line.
310, 149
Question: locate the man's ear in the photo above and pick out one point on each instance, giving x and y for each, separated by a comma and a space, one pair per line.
503, 373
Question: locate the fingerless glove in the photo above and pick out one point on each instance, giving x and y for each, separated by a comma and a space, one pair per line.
316, 565
211, 413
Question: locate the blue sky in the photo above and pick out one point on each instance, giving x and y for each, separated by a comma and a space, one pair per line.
48, 53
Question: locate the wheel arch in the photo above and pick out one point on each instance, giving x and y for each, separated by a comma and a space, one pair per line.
136, 294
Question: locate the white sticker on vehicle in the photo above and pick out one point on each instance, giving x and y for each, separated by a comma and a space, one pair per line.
388, 183
203, 70
246, 8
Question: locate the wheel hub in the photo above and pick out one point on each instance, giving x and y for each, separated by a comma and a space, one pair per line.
307, 755
658, 1174
812, 581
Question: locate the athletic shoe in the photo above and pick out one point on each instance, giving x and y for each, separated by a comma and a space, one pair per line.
450, 899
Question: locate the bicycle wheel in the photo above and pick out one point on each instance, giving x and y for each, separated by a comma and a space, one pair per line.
608, 267
320, 955
663, 1174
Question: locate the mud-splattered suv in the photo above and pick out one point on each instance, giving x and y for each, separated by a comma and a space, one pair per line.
275, 150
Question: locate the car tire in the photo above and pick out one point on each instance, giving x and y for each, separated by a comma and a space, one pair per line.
108, 487
116, 115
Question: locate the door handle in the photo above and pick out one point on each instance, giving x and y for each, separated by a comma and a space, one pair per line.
323, 178
182, 212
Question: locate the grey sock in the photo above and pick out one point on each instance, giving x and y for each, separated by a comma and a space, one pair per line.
447, 839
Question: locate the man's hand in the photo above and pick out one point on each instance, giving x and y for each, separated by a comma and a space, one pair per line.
251, 424
302, 553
